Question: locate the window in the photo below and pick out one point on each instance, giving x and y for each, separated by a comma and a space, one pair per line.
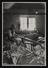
32, 24
28, 24
23, 23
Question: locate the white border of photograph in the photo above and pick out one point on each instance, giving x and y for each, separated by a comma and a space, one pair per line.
45, 33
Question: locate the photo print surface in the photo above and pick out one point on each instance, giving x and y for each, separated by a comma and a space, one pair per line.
23, 33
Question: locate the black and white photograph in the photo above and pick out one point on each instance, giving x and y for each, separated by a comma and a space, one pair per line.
23, 33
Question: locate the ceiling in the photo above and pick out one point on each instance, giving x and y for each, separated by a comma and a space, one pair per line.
25, 8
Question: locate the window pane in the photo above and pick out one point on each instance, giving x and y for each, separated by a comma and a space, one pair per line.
32, 24
23, 23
